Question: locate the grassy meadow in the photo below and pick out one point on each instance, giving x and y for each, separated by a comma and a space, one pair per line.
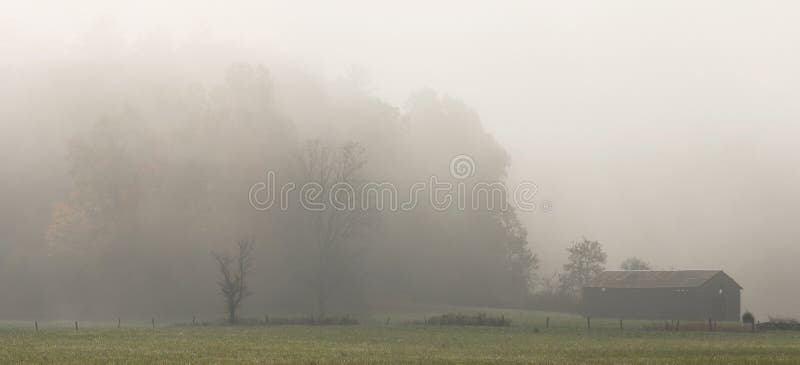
526, 341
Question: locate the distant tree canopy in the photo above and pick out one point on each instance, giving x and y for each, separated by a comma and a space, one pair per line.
634, 263
152, 187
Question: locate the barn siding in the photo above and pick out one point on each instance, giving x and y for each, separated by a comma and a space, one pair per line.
666, 303
731, 297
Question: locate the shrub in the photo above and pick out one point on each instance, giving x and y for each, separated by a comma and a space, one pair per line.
325, 321
459, 319
284, 321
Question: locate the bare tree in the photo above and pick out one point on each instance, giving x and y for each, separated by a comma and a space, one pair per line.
635, 263
328, 229
233, 286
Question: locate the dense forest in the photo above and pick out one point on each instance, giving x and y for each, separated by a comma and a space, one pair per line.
137, 167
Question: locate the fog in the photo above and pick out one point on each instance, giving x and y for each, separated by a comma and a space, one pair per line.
131, 132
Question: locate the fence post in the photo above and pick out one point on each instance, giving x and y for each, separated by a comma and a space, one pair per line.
154, 322
709, 325
620, 325
36, 325
588, 323
76, 325
547, 323
119, 322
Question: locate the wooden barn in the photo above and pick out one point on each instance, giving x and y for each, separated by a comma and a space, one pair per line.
646, 294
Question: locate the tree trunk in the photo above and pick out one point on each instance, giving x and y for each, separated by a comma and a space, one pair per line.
321, 303
231, 313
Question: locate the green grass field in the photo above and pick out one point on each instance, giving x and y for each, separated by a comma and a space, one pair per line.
525, 342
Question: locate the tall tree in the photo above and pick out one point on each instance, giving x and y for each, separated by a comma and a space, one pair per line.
521, 261
328, 227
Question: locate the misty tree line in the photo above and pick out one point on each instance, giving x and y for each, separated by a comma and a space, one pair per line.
153, 176
137, 168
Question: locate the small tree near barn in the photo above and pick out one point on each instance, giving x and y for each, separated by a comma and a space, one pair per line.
232, 285
586, 260
749, 318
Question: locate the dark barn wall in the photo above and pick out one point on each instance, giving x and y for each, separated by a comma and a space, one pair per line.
724, 305
644, 303
666, 303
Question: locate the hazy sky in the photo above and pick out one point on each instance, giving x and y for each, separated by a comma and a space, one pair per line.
665, 130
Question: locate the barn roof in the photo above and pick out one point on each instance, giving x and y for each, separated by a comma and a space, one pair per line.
654, 279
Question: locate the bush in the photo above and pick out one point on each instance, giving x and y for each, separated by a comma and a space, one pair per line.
459, 319
748, 317
326, 321
284, 321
